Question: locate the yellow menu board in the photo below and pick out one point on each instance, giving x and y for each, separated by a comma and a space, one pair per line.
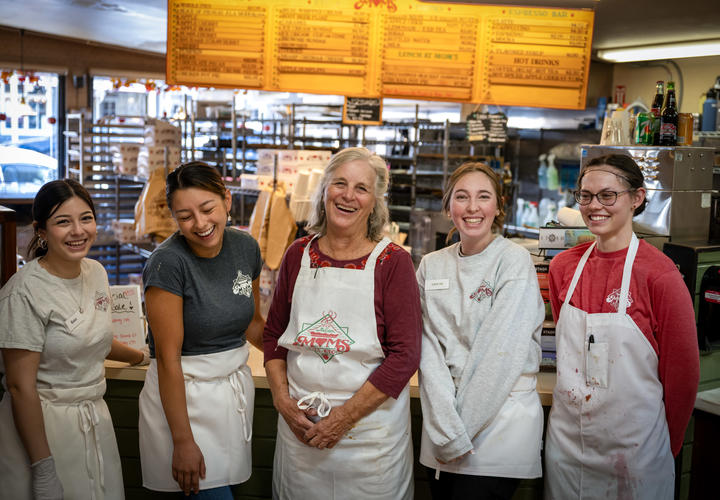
502, 55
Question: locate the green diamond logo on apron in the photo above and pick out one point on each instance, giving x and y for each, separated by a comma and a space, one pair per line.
325, 337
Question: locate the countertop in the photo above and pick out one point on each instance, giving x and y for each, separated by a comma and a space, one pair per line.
709, 401
122, 371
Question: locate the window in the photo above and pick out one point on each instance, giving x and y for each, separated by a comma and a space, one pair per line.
28, 133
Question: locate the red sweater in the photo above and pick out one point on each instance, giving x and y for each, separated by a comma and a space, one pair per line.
660, 305
397, 310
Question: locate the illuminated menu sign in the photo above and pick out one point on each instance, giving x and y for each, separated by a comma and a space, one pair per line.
384, 48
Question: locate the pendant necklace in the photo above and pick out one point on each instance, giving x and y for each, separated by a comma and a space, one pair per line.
82, 293
78, 303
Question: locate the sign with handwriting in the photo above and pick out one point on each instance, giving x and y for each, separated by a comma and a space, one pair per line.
362, 110
502, 55
128, 323
486, 127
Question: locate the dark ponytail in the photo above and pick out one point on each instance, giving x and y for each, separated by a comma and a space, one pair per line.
194, 174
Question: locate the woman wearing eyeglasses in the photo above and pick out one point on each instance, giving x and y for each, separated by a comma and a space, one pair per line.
627, 354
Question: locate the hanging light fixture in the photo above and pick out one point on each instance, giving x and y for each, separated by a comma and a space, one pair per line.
23, 108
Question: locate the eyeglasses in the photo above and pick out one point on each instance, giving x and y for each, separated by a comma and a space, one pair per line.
607, 198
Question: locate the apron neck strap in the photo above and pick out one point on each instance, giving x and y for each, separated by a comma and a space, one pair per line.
371, 260
627, 272
305, 261
578, 272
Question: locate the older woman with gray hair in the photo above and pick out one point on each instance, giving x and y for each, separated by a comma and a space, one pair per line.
341, 343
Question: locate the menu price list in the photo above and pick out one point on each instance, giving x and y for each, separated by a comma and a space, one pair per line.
540, 54
330, 44
399, 48
216, 45
429, 55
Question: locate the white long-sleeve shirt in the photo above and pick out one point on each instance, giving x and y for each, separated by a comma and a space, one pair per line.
482, 318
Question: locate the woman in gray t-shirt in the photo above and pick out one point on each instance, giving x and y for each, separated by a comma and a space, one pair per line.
56, 434
202, 298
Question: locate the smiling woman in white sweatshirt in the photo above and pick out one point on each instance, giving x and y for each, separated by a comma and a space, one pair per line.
482, 318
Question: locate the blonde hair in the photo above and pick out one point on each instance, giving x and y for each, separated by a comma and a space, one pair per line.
317, 222
468, 168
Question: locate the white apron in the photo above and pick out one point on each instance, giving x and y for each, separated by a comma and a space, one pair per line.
607, 433
220, 397
509, 446
333, 349
81, 439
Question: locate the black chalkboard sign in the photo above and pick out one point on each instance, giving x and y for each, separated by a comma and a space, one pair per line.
486, 127
362, 111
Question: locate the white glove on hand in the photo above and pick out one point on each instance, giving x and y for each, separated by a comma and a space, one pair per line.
45, 483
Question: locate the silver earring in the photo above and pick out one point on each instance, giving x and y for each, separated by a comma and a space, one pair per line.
42, 243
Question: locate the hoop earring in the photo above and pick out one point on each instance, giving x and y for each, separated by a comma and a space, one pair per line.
42, 243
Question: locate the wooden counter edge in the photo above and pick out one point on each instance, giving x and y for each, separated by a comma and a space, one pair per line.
116, 370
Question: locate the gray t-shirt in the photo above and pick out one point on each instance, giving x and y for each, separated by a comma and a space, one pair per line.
36, 309
218, 304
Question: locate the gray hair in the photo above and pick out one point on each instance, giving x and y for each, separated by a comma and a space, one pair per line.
317, 221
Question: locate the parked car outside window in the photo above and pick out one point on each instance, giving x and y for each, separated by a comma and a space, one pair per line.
23, 171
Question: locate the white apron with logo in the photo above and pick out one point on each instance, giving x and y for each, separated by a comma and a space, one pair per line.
607, 434
220, 397
333, 349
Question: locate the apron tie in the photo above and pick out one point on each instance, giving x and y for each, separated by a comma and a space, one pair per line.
89, 421
323, 405
239, 392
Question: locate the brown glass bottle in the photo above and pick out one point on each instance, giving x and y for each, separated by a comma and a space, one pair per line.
669, 118
656, 110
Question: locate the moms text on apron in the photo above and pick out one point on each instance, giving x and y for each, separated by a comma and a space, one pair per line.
220, 397
607, 433
333, 348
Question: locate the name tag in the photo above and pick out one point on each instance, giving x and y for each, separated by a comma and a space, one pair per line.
441, 284
73, 321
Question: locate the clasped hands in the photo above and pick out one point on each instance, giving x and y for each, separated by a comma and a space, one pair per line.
322, 434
